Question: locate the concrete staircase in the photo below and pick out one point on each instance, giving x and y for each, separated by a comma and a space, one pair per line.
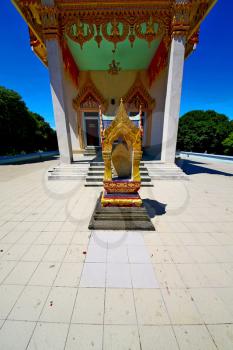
92, 172
76, 171
164, 171
96, 172
91, 150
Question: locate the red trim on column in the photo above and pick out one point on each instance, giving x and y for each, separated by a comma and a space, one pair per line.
158, 63
69, 62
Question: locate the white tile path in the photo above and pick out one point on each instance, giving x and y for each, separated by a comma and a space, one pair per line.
63, 287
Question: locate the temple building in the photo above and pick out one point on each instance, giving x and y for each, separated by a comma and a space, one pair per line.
98, 52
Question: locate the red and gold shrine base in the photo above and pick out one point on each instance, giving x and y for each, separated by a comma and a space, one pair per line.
121, 200
122, 186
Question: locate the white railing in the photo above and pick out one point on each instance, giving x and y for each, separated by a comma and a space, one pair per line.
206, 155
27, 157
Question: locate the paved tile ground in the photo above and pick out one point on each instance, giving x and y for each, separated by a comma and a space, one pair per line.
64, 287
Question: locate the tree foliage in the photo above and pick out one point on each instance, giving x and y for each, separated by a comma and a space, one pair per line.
203, 131
20, 129
228, 144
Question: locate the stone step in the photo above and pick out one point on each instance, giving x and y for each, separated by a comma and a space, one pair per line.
72, 171
170, 177
127, 210
70, 168
122, 225
165, 172
143, 168
66, 177
120, 218
99, 173
102, 163
98, 183
88, 154
73, 165
92, 148
163, 169
93, 172
77, 163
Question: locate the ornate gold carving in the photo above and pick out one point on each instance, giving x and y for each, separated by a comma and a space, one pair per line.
80, 32
194, 39
131, 36
192, 44
88, 99
114, 31
107, 157
116, 191
38, 47
115, 35
114, 67
137, 155
122, 186
150, 34
50, 23
181, 18
122, 127
98, 37
121, 202
138, 96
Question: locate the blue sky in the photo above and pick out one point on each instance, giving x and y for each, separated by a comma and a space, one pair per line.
208, 73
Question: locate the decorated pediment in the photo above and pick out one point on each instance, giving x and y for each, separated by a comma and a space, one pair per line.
89, 98
138, 96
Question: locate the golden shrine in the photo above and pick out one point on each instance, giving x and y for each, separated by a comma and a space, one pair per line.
128, 132
119, 206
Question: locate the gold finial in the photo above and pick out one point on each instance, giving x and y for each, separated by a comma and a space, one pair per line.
121, 100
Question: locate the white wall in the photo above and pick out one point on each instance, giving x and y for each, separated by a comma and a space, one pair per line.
117, 86
158, 91
113, 86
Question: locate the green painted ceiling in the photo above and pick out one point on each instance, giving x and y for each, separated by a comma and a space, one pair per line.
90, 57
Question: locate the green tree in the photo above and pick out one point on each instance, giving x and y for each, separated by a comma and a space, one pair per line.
201, 131
228, 145
20, 129
45, 136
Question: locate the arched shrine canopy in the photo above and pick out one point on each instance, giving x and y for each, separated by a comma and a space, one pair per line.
122, 128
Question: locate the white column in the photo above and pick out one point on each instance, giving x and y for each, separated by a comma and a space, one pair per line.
56, 72
172, 103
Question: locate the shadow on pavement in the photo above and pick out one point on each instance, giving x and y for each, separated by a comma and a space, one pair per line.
154, 208
191, 167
